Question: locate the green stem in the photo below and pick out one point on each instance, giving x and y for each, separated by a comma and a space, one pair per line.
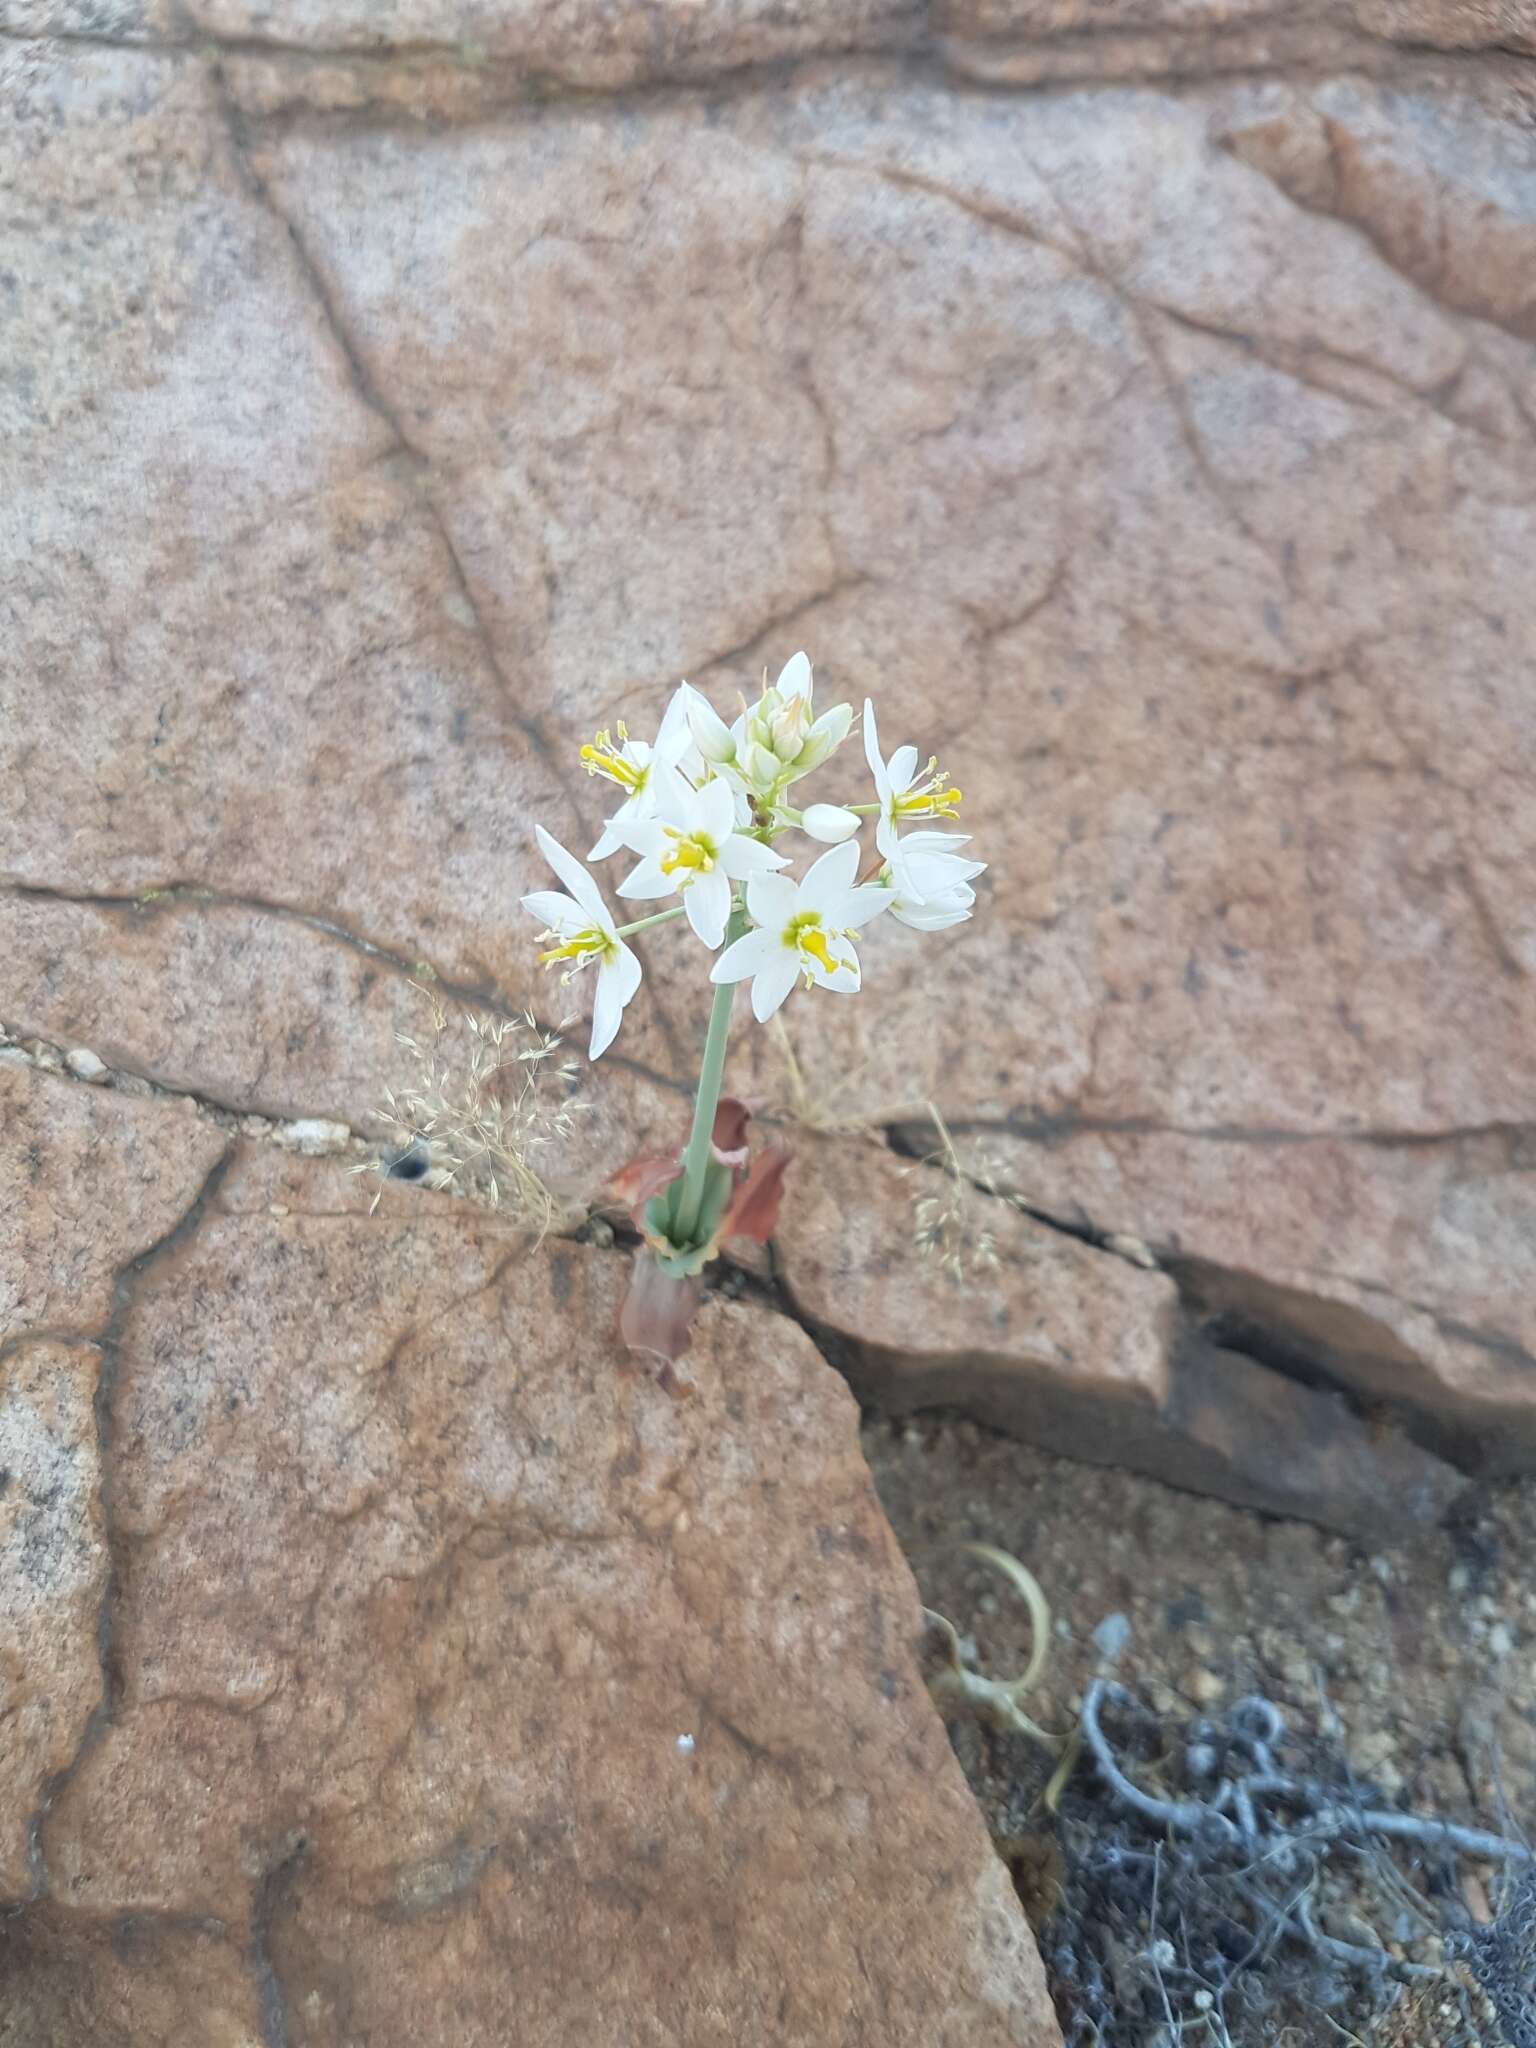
685, 1217
643, 923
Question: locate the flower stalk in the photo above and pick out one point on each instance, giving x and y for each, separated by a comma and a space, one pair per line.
690, 1190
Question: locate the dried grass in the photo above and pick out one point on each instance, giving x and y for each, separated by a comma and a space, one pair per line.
488, 1096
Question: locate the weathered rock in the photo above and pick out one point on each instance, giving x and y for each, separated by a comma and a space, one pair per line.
1403, 1271
458, 1670
585, 43
88, 1183
1023, 42
1164, 459
1071, 1347
53, 1569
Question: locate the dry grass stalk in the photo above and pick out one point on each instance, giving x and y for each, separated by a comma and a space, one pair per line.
479, 1110
950, 1225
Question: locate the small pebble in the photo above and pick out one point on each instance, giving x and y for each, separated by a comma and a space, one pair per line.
1204, 1685
1500, 1641
85, 1065
684, 1745
313, 1135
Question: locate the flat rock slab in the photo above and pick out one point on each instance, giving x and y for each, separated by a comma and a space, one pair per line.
1072, 1346
1158, 453
455, 1670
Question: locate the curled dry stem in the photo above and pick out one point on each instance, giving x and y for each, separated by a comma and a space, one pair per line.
994, 1699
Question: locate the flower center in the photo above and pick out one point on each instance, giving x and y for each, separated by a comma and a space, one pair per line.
602, 757
579, 949
926, 797
806, 935
690, 854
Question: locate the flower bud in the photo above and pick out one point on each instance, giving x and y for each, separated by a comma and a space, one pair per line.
829, 823
827, 734
711, 735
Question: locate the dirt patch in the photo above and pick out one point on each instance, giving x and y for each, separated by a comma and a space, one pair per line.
1405, 1679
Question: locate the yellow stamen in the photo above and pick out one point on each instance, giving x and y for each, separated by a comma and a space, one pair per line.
927, 798
602, 757
579, 948
695, 855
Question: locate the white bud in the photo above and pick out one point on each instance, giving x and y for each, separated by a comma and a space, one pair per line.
829, 823
711, 735
824, 737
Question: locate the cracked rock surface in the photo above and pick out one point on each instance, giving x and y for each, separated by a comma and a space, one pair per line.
1139, 400
448, 1669
1161, 453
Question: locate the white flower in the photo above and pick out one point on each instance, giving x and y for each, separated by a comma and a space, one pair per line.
693, 846
930, 882
904, 791
636, 768
803, 928
584, 931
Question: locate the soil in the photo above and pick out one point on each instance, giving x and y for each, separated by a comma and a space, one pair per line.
1405, 1675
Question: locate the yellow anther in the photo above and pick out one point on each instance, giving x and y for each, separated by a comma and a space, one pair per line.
602, 757
928, 798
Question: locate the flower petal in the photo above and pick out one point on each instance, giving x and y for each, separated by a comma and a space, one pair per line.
860, 905
829, 878
772, 900
673, 735
715, 740
772, 983
644, 883
707, 900
843, 980
555, 912
740, 857
749, 954
901, 767
927, 918
872, 746
573, 874
617, 979
714, 811
795, 677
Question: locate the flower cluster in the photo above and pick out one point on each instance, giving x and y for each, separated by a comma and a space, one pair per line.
702, 810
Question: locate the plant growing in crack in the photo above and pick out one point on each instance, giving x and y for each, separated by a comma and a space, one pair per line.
703, 809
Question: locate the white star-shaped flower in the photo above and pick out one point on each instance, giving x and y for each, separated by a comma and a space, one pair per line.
636, 767
584, 931
804, 928
692, 846
930, 882
904, 791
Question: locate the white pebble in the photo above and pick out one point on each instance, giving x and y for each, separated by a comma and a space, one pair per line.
684, 1745
85, 1065
313, 1135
